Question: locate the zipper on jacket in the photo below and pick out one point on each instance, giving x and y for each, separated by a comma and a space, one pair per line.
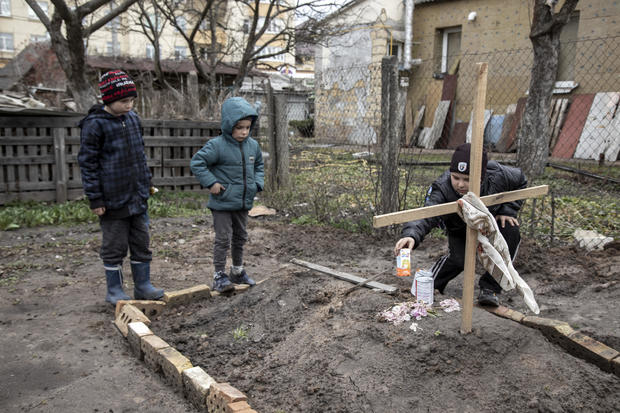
244, 173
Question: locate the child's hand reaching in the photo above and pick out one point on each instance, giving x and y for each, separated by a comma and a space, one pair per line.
98, 211
216, 188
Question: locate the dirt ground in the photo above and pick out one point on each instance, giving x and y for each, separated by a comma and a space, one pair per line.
296, 342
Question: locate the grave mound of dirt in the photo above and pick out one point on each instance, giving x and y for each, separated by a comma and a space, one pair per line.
297, 343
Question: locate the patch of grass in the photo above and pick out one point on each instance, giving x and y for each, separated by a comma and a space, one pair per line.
240, 333
35, 214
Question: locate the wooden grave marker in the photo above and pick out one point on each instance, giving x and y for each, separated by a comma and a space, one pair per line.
475, 171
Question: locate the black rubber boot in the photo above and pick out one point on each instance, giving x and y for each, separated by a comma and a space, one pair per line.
142, 287
114, 280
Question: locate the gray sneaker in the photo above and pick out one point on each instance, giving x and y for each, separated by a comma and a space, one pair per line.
221, 283
242, 278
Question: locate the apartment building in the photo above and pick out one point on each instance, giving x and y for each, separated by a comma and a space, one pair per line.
19, 26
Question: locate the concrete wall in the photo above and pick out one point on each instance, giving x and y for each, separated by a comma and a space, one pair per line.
348, 72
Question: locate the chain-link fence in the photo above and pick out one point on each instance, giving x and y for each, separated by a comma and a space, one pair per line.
335, 170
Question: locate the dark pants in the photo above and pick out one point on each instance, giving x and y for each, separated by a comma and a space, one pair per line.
229, 227
119, 234
451, 265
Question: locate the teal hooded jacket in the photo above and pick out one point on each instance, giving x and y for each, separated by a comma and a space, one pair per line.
238, 166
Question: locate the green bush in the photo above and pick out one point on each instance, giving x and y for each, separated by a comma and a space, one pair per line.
304, 127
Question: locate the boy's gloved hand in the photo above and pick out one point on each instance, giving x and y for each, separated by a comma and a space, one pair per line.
153, 190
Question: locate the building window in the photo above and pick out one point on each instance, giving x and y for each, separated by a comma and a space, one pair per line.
39, 38
274, 25
181, 23
112, 49
32, 15
180, 52
395, 49
150, 51
5, 7
447, 47
6, 42
568, 48
277, 51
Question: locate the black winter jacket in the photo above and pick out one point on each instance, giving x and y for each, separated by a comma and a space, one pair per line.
113, 163
498, 178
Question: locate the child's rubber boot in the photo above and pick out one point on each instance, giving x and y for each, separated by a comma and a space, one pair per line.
114, 280
142, 287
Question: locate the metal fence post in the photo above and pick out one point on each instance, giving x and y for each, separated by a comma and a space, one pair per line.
390, 138
278, 140
60, 159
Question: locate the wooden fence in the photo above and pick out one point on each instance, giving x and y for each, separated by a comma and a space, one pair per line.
38, 155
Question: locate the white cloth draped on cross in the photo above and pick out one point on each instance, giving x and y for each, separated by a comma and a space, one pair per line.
494, 254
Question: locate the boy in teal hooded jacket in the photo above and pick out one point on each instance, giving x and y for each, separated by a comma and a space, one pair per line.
231, 166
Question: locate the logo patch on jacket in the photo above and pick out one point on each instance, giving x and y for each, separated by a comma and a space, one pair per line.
252, 159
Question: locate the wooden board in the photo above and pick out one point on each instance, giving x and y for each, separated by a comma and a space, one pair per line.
438, 124
433, 97
487, 117
390, 289
597, 127
573, 126
400, 217
508, 142
457, 137
557, 123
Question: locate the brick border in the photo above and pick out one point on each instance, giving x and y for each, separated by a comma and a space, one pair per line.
562, 334
197, 386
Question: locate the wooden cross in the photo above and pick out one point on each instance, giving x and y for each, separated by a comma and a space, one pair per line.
475, 166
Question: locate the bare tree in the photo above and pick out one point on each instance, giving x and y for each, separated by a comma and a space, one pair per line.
270, 33
151, 24
533, 140
198, 24
68, 42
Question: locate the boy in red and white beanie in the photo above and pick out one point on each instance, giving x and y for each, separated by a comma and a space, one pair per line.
117, 182
116, 85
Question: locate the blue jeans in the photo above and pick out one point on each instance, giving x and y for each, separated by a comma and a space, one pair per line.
126, 233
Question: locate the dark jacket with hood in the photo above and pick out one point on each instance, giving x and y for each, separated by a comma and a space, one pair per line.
113, 163
498, 178
237, 166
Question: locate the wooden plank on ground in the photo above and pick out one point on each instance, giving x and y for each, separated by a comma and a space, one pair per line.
451, 207
389, 289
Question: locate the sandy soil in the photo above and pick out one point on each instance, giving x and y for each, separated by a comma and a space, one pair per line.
296, 342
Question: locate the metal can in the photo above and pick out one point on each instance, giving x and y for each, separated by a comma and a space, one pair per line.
423, 286
403, 263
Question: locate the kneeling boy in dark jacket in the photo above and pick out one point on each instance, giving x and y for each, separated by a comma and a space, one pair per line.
449, 187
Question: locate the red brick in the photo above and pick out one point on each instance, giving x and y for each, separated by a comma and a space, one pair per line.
237, 407
149, 308
129, 314
135, 332
222, 394
198, 292
150, 347
172, 364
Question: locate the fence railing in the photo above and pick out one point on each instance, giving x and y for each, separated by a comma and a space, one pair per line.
38, 155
